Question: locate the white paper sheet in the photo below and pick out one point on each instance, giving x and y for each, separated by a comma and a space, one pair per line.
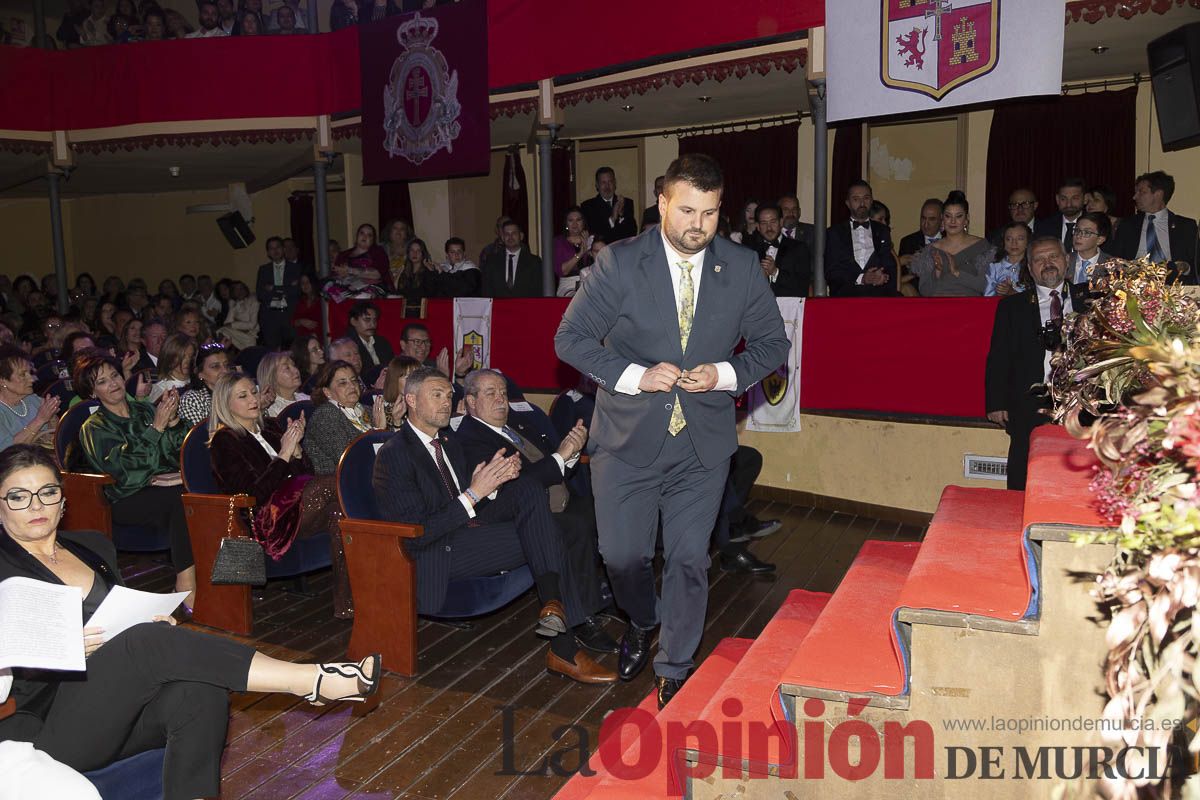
124, 608
41, 625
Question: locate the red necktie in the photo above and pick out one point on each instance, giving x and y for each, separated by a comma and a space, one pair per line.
1056, 308
443, 470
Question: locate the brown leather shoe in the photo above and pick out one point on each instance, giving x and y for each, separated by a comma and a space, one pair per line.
552, 620
585, 669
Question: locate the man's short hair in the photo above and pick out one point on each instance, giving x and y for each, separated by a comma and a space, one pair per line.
768, 207
412, 326
471, 382
362, 307
695, 169
1044, 240
1101, 221
859, 184
932, 201
1159, 182
1071, 183
337, 344
274, 239
603, 170
783, 197
202, 3
413, 383
455, 240
513, 223
150, 323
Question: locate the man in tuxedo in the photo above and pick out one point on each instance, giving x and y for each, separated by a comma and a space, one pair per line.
512, 271
375, 352
858, 253
651, 216
1092, 232
488, 427
1155, 229
1022, 207
1069, 197
793, 228
476, 520
278, 291
608, 214
1026, 331
787, 263
929, 232
656, 325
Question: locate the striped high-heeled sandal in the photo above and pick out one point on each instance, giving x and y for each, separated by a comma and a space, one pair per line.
367, 686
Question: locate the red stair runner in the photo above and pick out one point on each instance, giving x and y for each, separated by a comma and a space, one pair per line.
580, 785
1060, 473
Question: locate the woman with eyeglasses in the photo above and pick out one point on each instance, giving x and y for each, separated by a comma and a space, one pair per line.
25, 418
338, 418
151, 686
252, 454
137, 444
211, 363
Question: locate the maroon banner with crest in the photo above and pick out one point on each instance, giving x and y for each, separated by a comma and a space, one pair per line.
425, 94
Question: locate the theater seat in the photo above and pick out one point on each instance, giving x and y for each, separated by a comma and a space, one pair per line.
138, 777
293, 410
89, 508
229, 607
383, 576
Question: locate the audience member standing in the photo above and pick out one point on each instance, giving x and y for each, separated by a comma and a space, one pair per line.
277, 289
957, 264
929, 232
513, 271
793, 228
1155, 230
787, 263
1069, 197
609, 214
858, 253
1022, 207
650, 215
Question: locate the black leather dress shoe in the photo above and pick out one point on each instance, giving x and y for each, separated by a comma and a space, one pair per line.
667, 688
743, 561
635, 652
591, 635
754, 528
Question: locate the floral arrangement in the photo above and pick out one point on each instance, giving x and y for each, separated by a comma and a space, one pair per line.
1131, 365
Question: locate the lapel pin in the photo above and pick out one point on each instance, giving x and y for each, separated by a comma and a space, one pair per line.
717, 268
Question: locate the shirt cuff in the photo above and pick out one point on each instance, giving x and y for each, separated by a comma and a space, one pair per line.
563, 466
630, 380
773, 276
860, 277
467, 504
726, 378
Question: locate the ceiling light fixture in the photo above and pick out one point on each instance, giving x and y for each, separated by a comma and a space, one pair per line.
627, 108
1100, 49
174, 171
705, 98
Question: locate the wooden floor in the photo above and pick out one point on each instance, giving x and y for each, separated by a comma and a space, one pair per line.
442, 735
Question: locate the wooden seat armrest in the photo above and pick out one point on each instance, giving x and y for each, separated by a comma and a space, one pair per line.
98, 478
371, 527
221, 500
224, 606
8, 708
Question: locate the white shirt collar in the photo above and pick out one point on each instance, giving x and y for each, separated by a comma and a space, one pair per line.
425, 438
1044, 292
279, 264
490, 425
512, 252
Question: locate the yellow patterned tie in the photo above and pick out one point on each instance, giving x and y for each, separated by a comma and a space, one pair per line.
687, 301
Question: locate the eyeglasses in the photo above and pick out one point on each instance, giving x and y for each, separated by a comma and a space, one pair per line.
1023, 204
20, 499
420, 341
1082, 234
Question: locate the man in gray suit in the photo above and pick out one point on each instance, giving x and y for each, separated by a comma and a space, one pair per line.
655, 325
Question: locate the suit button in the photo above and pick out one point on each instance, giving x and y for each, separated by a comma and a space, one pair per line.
447, 548
667, 406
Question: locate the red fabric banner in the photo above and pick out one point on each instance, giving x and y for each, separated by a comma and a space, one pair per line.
912, 356
425, 94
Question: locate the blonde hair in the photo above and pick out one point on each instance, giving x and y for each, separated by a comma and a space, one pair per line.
221, 416
267, 367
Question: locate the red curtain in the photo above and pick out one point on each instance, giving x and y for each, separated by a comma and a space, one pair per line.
758, 164
562, 180
1037, 143
514, 200
300, 207
847, 167
395, 202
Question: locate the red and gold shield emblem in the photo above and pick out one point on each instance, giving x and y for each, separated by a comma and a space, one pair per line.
935, 46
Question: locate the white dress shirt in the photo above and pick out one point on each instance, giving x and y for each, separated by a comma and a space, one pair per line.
631, 378
1062, 233
1082, 264
1044, 300
462, 497
562, 465
370, 345
1161, 228
264, 443
864, 247
200, 33
608, 201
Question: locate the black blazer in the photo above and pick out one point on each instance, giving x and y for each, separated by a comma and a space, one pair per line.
1052, 226
794, 260
383, 348
264, 288
1183, 240
480, 443
34, 690
912, 244
1016, 358
842, 271
528, 282
596, 212
650, 216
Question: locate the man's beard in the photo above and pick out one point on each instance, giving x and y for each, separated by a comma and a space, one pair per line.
684, 245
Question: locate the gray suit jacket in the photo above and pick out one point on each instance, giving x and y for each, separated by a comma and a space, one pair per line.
1097, 271
625, 313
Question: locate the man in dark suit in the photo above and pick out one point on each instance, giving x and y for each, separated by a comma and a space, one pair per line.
650, 215
929, 232
1069, 197
278, 290
787, 263
487, 428
858, 253
512, 271
789, 219
1155, 229
655, 325
608, 214
1025, 333
1022, 207
374, 351
476, 520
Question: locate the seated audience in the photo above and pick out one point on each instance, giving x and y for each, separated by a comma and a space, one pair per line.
747, 225
1022, 207
73, 343
211, 363
1069, 198
488, 428
25, 418
417, 280
153, 685
416, 343
1004, 276
156, 25
1102, 200
374, 10
858, 254
928, 233
496, 245
394, 407
289, 19
306, 319
468, 515
174, 365
261, 458
572, 250
1091, 233
458, 276
153, 335
396, 235
308, 356
1155, 230
138, 445
210, 22
248, 24
880, 213
94, 28
227, 15
278, 383
786, 263
512, 271
793, 228
338, 418
957, 264
360, 269
241, 324
345, 349
190, 322
342, 14
650, 214
374, 352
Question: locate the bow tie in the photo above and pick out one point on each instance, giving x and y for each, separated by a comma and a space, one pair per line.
856, 224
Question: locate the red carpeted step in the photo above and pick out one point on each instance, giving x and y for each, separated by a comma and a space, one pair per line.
744, 703
972, 559
580, 785
1061, 468
850, 647
643, 769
